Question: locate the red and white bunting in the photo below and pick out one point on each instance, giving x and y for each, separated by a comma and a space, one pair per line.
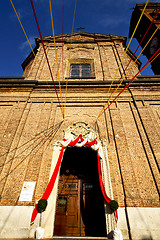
78, 142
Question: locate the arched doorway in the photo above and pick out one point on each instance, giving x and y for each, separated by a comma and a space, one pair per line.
80, 204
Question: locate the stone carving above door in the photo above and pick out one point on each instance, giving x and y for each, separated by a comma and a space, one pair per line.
80, 128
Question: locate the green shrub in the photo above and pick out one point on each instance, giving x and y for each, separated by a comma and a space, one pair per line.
41, 206
113, 205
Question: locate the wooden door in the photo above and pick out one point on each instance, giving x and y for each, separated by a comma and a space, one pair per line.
80, 209
93, 209
68, 220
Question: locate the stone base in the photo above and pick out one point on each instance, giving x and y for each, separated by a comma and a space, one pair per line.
15, 221
144, 222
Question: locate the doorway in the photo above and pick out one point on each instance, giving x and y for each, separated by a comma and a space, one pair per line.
80, 204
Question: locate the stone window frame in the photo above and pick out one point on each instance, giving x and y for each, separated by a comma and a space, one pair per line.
82, 61
80, 70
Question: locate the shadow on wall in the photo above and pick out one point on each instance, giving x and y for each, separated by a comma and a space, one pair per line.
150, 238
6, 217
110, 235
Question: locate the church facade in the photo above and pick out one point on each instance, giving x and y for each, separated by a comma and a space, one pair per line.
33, 133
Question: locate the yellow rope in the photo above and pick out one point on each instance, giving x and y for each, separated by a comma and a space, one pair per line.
56, 54
125, 52
142, 70
142, 50
151, 61
138, 74
129, 70
26, 36
69, 55
132, 37
22, 27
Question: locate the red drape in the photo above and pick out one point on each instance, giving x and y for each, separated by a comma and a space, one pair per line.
100, 180
50, 184
56, 170
74, 142
107, 199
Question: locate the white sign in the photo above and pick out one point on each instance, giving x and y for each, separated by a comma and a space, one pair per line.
27, 192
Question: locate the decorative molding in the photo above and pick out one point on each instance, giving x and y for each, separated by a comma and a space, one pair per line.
80, 46
80, 128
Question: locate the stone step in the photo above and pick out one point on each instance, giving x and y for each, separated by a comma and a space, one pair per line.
77, 238
60, 238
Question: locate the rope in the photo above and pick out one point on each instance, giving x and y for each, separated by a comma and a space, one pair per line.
56, 53
143, 68
37, 145
69, 54
150, 62
132, 36
26, 35
22, 27
49, 137
143, 38
129, 69
15, 149
62, 37
46, 55
125, 52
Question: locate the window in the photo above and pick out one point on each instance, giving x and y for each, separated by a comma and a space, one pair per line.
62, 204
82, 70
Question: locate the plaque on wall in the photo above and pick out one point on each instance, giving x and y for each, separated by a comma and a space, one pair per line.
27, 192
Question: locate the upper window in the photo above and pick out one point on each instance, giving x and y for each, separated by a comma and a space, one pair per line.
82, 70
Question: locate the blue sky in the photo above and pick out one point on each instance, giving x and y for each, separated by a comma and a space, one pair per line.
100, 16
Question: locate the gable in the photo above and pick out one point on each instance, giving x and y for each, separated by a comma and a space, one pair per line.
79, 37
71, 37
83, 37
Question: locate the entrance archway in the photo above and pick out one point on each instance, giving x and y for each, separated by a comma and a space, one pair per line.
80, 204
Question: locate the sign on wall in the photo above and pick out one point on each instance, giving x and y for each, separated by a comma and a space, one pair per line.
27, 192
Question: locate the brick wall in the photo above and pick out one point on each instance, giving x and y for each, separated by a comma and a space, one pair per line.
104, 54
31, 123
130, 129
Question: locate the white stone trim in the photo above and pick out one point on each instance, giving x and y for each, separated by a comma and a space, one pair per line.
144, 222
48, 216
15, 221
110, 217
106, 173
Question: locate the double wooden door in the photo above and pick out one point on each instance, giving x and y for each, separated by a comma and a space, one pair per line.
80, 208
